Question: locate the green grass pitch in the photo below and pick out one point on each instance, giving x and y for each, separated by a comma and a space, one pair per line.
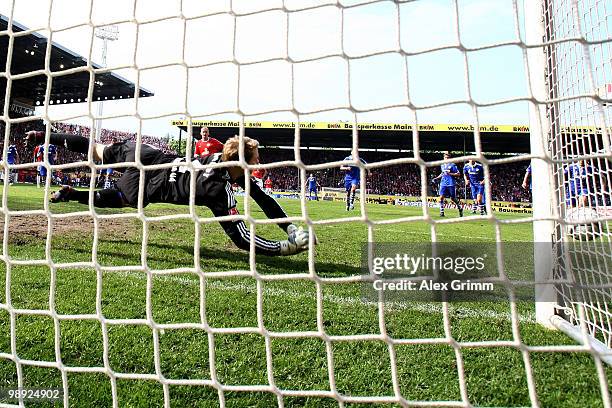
495, 374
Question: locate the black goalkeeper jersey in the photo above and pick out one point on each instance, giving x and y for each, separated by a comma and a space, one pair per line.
173, 185
213, 189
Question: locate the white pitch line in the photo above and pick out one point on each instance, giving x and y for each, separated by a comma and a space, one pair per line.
423, 307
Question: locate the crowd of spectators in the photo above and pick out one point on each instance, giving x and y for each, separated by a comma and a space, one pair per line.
17, 132
111, 136
506, 180
79, 176
397, 179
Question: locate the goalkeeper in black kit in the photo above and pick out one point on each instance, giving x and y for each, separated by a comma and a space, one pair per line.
172, 185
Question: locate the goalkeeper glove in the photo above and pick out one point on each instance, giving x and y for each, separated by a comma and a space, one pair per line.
297, 241
34, 137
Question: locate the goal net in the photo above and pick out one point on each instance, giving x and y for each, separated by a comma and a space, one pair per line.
154, 305
579, 71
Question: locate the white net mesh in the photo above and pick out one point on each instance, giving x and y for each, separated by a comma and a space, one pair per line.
422, 354
579, 72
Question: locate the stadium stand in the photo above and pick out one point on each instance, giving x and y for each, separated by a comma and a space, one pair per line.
76, 176
400, 180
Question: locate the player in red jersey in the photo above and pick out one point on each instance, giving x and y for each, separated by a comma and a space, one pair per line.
207, 145
268, 185
39, 156
258, 175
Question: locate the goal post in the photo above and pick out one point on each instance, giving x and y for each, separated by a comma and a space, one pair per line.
571, 186
174, 312
539, 128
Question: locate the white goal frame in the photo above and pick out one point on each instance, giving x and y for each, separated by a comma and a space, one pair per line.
559, 45
553, 307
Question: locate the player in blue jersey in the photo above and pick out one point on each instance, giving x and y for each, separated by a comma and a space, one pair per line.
527, 178
312, 187
578, 189
39, 156
12, 157
351, 181
448, 184
107, 173
473, 173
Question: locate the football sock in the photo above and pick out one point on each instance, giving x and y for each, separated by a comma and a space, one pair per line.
458, 204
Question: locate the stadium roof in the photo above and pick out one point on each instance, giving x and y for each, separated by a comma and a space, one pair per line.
396, 136
29, 52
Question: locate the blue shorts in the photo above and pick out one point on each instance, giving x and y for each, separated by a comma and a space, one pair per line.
573, 201
573, 193
576, 192
312, 190
348, 184
42, 170
447, 191
477, 189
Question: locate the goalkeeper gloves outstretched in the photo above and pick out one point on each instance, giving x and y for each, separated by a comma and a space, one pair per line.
297, 240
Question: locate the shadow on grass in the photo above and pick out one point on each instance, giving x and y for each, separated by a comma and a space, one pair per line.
229, 258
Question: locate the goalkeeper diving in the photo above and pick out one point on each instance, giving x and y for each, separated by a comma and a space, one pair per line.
172, 185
